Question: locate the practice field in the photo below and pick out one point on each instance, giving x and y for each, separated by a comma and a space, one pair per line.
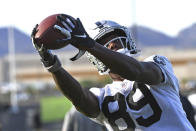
54, 108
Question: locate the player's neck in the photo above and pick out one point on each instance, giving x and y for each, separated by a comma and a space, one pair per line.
116, 77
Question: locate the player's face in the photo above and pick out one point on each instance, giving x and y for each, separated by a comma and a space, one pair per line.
114, 45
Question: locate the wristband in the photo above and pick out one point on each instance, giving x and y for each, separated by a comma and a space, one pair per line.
54, 67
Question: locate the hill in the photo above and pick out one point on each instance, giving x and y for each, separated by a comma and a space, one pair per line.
22, 41
147, 37
186, 38
144, 37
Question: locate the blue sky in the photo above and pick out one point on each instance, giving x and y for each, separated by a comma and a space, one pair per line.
167, 16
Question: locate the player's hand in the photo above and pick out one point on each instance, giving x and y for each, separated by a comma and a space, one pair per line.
49, 60
74, 32
45, 54
34, 31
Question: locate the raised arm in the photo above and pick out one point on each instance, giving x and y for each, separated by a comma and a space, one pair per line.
127, 67
83, 99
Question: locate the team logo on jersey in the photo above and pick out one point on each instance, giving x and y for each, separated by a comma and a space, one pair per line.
159, 60
124, 84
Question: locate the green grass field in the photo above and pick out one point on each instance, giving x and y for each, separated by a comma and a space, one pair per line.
54, 108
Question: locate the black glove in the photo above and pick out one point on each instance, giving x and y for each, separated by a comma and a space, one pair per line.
50, 61
75, 34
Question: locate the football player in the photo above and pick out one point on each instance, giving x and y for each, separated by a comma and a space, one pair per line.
144, 95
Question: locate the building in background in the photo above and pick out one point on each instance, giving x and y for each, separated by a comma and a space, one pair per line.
29, 69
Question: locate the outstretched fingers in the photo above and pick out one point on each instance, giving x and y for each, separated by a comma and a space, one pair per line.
66, 22
80, 25
68, 19
64, 31
35, 30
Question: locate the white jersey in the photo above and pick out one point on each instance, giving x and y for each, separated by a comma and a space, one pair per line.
129, 105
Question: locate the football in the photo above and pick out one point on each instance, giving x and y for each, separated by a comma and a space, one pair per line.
47, 35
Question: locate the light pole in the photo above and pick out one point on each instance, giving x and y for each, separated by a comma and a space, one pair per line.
12, 70
134, 22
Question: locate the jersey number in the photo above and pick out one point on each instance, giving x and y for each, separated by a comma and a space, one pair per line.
122, 113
